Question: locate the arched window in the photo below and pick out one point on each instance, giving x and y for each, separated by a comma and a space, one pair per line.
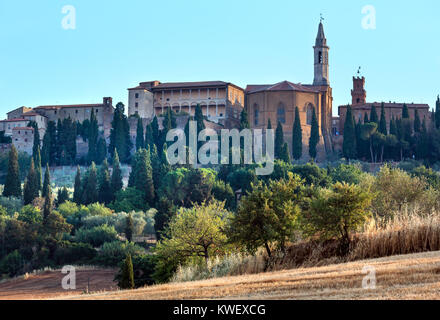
310, 108
256, 114
281, 113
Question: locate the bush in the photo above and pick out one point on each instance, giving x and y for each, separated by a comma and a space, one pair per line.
11, 205
31, 215
74, 253
312, 174
96, 236
129, 200
112, 253
351, 174
12, 264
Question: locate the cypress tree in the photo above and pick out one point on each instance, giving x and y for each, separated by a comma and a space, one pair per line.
279, 140
36, 145
383, 122
349, 144
37, 162
269, 124
48, 204
30, 190
105, 194
63, 196
437, 113
244, 121
314, 136
52, 147
101, 151
90, 194
297, 136
46, 183
417, 124
13, 185
405, 112
141, 176
129, 228
45, 151
127, 275
285, 154
93, 138
140, 142
156, 133
116, 180
149, 138
120, 134
77, 193
366, 118
373, 115
165, 211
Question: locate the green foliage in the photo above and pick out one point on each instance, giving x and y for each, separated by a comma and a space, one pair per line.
13, 185
143, 269
314, 136
285, 153
90, 193
46, 183
351, 174
349, 149
141, 176
12, 264
127, 276
165, 211
30, 189
337, 212
312, 174
244, 121
223, 192
74, 253
116, 180
96, 236
268, 215
63, 195
129, 228
77, 193
297, 136
30, 214
140, 142
120, 134
242, 178
279, 140
128, 200
112, 253
105, 189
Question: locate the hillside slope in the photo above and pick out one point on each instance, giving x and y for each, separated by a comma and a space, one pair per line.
415, 276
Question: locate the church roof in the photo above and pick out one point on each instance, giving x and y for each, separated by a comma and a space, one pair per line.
367, 106
280, 86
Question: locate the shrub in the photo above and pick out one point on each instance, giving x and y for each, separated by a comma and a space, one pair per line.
112, 253
30, 214
128, 200
312, 174
12, 264
74, 253
96, 236
351, 174
11, 205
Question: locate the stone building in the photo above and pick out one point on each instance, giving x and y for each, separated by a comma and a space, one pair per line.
360, 107
277, 102
80, 112
8, 125
23, 139
221, 102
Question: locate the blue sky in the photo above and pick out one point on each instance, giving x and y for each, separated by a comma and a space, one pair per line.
117, 44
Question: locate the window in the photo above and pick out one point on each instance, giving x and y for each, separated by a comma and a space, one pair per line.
55, 112
136, 95
76, 111
281, 113
310, 108
136, 104
256, 114
320, 57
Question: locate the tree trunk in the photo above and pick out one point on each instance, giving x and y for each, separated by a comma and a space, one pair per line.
268, 250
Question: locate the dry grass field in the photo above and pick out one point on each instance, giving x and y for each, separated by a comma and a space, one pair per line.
47, 284
415, 276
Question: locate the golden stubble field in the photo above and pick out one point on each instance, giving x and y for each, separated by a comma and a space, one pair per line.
415, 276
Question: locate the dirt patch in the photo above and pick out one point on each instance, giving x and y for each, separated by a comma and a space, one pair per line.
47, 285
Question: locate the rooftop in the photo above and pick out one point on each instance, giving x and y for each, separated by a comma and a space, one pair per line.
180, 85
281, 86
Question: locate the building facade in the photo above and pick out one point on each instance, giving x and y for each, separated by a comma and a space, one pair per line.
23, 139
360, 107
221, 102
277, 102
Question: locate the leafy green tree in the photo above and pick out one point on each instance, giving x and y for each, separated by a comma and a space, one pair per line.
196, 232
285, 153
46, 183
297, 136
279, 140
127, 275
268, 214
116, 180
314, 136
349, 149
13, 185
368, 131
77, 189
90, 194
30, 190
140, 142
337, 213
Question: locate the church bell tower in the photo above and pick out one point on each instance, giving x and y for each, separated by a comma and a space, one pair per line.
321, 59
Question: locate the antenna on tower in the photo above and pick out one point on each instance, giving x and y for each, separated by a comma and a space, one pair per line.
321, 17
359, 71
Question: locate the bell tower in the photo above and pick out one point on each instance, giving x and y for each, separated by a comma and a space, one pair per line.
358, 93
321, 58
